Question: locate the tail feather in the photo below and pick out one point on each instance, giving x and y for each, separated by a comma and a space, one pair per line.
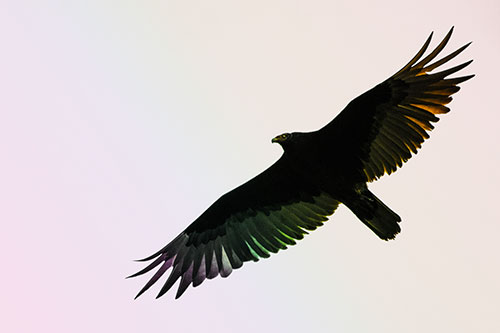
375, 215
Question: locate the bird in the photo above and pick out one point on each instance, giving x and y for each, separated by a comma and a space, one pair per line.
372, 136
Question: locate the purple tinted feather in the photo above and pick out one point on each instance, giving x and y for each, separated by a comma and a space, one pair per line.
166, 265
170, 248
174, 275
150, 266
201, 274
186, 280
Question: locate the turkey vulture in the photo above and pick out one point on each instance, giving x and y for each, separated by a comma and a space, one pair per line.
372, 136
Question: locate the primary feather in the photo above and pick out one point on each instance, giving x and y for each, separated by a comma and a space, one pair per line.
375, 134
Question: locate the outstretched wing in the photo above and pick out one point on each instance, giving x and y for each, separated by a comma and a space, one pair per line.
262, 216
383, 127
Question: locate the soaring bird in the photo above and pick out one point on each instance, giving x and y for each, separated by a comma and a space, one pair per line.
375, 134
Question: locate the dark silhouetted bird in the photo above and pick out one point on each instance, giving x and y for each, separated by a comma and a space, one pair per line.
375, 134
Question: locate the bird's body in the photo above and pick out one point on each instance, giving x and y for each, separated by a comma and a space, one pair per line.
375, 134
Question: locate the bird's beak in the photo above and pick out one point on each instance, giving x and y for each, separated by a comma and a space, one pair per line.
274, 140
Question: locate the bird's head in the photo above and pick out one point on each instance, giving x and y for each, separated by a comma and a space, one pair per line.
282, 139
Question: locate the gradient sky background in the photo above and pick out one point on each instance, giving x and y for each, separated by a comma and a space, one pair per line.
121, 121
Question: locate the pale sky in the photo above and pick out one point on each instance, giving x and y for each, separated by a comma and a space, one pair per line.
122, 121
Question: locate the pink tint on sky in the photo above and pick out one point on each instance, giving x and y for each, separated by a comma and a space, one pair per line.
121, 123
